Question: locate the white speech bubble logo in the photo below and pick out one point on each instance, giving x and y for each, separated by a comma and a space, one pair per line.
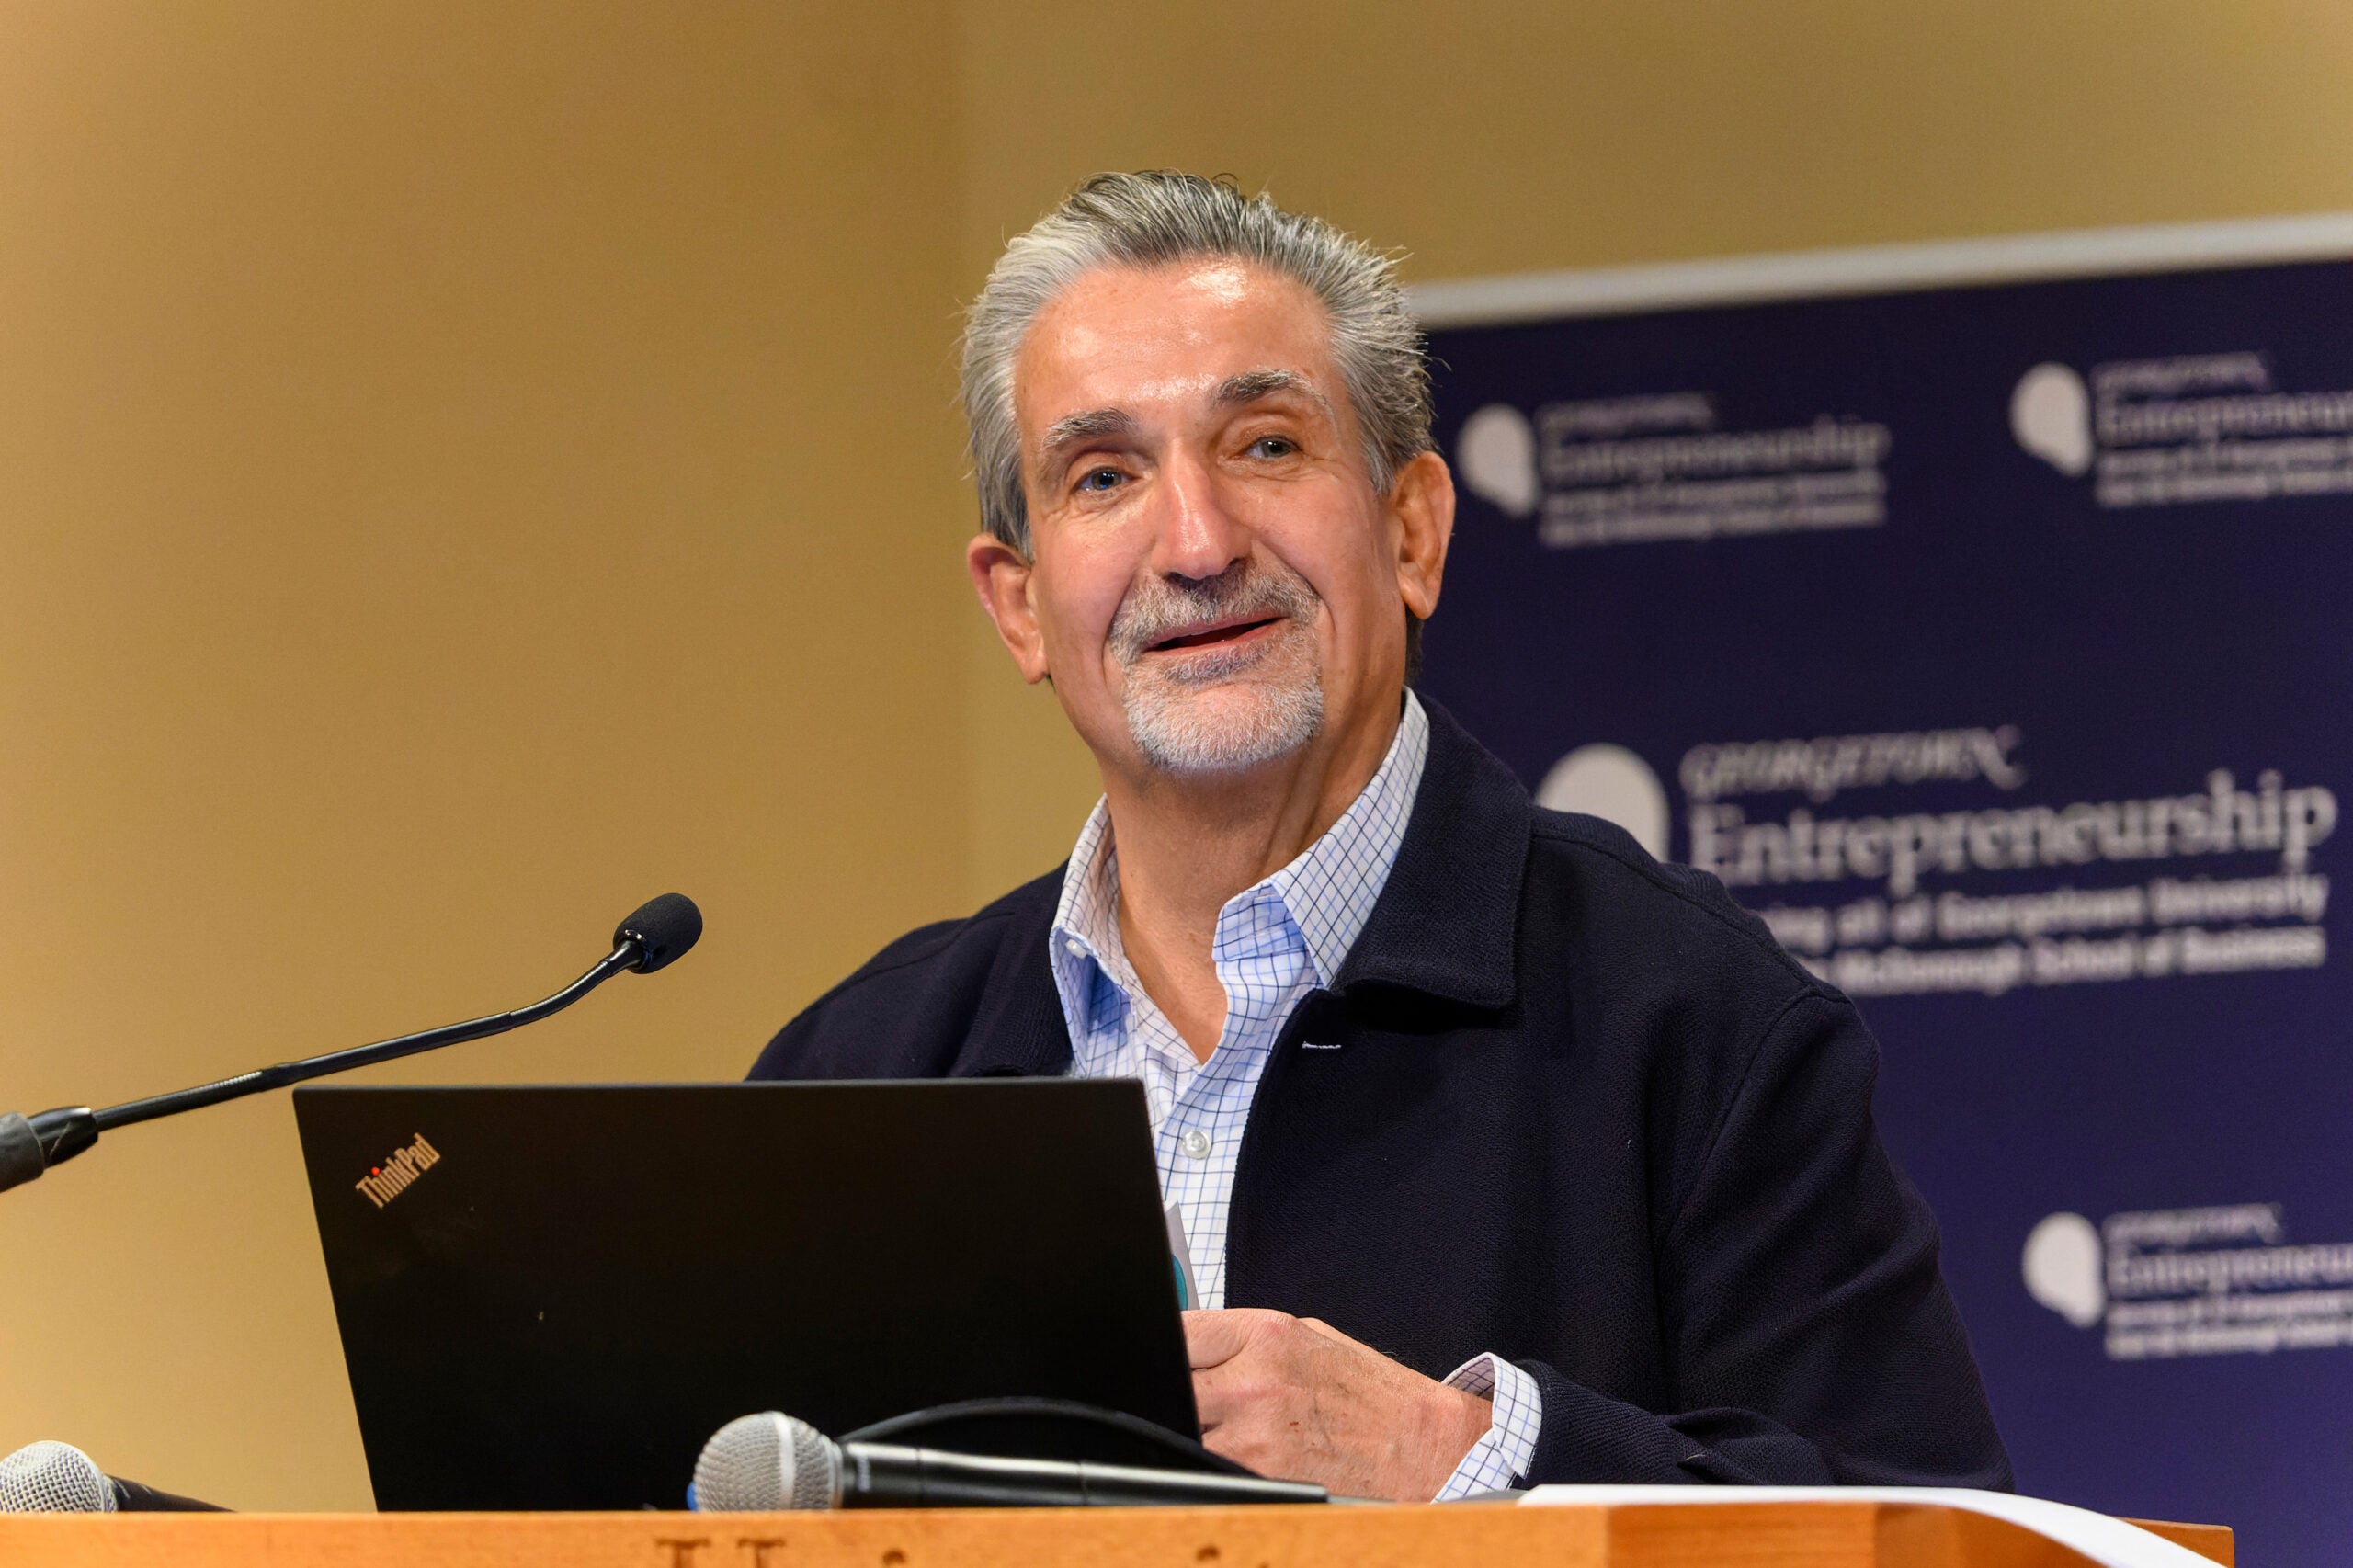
2061, 1265
1612, 783
1496, 453
2051, 416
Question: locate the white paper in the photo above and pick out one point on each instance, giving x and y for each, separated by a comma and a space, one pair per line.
1188, 1293
2111, 1543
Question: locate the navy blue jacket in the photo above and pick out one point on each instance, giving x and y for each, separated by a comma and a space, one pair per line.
1586, 1115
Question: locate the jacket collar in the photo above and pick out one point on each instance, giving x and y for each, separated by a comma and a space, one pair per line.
1446, 924
1017, 1030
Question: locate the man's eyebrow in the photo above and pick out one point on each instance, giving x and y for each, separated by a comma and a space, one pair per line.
1091, 425
1252, 385
1235, 391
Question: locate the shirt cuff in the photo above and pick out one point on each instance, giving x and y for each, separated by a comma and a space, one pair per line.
1502, 1457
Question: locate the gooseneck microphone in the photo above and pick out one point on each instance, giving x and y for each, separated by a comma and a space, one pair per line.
766, 1462
657, 934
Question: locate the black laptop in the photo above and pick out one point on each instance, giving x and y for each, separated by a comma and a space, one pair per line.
550, 1297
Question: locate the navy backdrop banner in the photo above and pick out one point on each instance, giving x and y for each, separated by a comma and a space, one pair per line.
1995, 645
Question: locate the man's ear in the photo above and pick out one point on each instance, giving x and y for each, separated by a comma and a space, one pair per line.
1422, 502
1000, 575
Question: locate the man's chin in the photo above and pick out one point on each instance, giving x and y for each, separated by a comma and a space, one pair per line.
1225, 729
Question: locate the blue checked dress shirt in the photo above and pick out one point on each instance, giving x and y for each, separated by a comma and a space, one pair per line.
1275, 943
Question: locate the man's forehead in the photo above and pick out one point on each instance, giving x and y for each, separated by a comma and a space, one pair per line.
1196, 335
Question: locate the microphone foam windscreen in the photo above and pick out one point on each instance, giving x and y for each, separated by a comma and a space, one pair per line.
757, 1464
54, 1478
662, 928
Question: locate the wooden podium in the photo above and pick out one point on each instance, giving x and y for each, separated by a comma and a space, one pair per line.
1762, 1535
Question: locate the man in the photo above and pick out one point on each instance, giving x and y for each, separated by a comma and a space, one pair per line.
1507, 1154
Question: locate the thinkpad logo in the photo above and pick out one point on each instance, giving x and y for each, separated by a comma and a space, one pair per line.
398, 1173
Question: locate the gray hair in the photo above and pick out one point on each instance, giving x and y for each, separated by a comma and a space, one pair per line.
1159, 217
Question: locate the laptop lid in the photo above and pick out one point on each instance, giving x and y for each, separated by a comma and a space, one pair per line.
550, 1297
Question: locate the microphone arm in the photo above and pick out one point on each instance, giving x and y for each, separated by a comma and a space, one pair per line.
66, 1133
657, 933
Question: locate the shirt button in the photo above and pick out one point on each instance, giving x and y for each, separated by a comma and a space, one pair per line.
1075, 947
1195, 1143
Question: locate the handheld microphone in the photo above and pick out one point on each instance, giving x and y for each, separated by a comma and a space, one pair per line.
58, 1478
767, 1462
655, 935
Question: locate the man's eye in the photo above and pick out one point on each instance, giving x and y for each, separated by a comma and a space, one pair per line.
1102, 479
1273, 447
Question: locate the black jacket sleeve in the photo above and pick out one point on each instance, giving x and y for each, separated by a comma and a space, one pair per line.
1810, 1337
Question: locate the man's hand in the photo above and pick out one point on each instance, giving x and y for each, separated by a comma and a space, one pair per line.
1298, 1400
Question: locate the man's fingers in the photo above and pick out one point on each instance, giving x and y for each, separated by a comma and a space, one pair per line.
1211, 1404
1231, 1390
1239, 1362
1236, 1424
1227, 1442
1213, 1339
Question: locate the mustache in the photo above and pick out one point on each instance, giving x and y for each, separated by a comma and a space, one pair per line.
1158, 608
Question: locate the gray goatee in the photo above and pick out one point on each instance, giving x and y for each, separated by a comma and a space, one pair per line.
1223, 709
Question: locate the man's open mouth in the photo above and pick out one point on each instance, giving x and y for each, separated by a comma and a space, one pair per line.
1211, 636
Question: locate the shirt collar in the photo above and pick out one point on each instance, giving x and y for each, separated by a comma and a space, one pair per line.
1329, 891
1085, 938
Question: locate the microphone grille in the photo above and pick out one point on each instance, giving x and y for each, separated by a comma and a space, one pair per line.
54, 1478
757, 1464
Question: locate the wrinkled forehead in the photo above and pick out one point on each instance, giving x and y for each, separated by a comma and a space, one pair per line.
1171, 342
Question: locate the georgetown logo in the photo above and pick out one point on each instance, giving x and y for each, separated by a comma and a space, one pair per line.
2186, 428
385, 1182
2177, 1282
1658, 466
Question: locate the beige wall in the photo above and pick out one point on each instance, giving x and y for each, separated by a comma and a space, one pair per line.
464, 467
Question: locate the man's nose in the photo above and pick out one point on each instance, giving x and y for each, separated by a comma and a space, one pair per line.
1197, 535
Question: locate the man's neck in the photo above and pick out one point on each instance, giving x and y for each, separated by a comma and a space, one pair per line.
1186, 846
